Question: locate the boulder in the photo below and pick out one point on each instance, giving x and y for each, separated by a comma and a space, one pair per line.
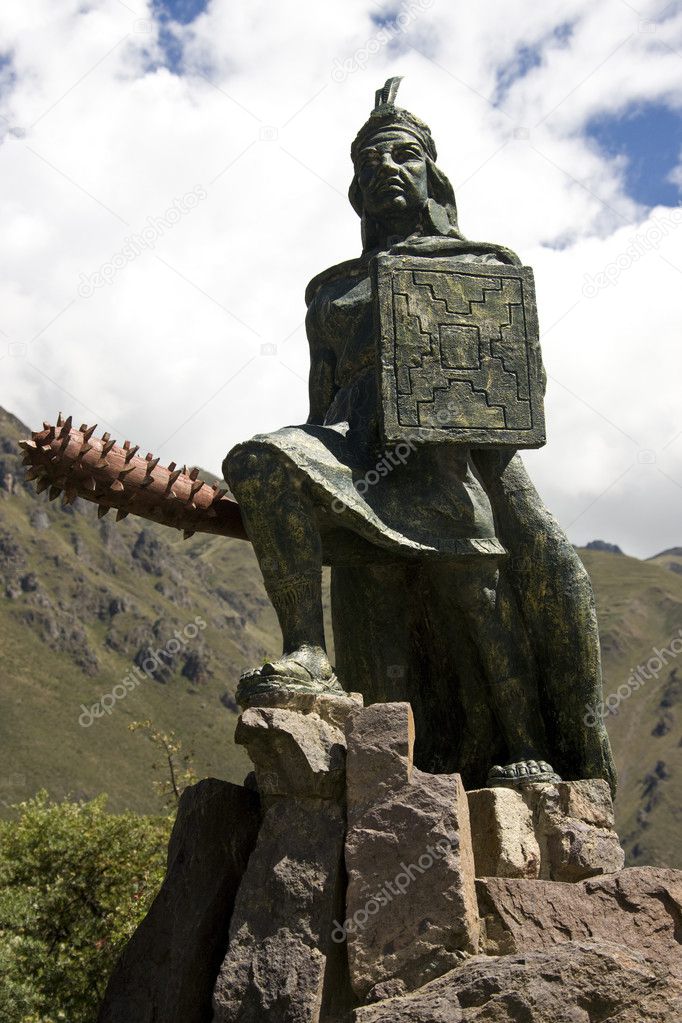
576, 982
168, 967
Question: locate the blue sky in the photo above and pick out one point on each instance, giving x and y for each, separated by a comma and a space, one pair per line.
650, 138
183, 11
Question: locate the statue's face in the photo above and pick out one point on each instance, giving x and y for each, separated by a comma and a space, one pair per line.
391, 173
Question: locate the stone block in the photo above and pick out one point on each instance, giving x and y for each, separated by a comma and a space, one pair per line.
574, 826
294, 754
411, 910
335, 710
282, 964
502, 833
280, 938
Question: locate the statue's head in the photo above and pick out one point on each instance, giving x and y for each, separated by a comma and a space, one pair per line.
396, 179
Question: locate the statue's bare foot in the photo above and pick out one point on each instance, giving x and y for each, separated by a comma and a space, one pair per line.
522, 772
305, 670
305, 663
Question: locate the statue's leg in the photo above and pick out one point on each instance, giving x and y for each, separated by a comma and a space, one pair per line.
480, 592
557, 605
280, 519
397, 640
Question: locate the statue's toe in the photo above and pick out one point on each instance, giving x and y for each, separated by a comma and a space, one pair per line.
520, 772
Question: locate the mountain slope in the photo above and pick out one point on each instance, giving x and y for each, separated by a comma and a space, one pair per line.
82, 601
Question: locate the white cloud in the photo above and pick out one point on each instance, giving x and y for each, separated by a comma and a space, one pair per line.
99, 137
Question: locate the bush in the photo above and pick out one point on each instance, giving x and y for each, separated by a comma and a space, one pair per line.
74, 883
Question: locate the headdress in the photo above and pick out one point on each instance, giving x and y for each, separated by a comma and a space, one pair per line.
387, 115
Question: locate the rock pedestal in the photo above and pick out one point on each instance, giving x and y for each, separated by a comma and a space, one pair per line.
346, 879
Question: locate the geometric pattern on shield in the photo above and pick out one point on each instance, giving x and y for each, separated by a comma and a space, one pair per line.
463, 353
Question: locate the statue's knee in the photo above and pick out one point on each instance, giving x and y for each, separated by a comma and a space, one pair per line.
240, 467
258, 473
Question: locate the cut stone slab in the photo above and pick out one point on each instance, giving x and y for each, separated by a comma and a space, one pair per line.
559, 832
168, 968
502, 833
411, 908
576, 982
640, 908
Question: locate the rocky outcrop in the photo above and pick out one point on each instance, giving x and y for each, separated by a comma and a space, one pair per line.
168, 968
404, 932
603, 546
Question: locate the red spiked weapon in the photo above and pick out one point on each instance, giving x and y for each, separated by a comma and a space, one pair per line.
98, 469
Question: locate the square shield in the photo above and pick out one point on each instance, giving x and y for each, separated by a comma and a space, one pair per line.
459, 352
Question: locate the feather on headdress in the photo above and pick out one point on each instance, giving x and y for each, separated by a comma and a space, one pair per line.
387, 115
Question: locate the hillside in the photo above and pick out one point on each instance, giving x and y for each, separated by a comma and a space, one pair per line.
83, 600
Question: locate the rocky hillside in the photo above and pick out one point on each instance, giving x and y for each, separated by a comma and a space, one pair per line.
129, 622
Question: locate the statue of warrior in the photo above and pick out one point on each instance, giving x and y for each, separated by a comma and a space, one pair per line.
452, 587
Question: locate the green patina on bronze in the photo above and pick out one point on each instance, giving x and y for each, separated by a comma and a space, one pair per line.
452, 586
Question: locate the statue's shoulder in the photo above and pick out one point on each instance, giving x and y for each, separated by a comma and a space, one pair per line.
463, 249
460, 248
348, 270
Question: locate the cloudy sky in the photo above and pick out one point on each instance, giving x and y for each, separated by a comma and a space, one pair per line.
173, 173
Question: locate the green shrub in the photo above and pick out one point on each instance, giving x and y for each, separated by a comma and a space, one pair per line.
74, 883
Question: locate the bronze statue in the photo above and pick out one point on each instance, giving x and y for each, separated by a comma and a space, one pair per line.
453, 588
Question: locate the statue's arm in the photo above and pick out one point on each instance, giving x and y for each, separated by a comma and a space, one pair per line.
321, 382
